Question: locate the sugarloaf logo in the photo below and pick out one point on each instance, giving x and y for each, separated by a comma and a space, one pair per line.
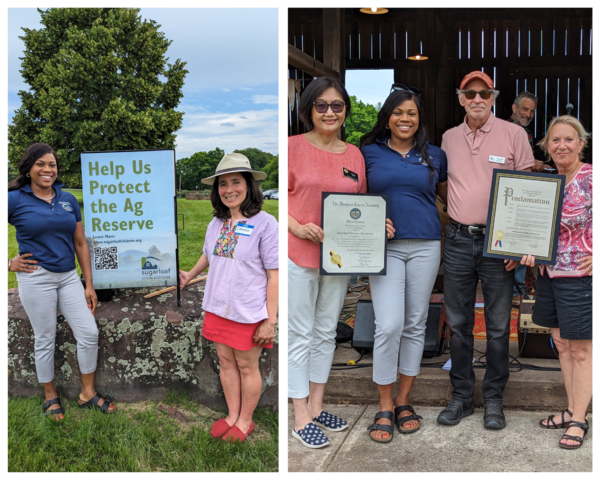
147, 264
355, 213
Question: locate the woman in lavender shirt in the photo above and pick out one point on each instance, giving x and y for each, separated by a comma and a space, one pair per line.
241, 294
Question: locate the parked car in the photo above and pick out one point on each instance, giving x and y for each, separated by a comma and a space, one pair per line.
267, 193
275, 196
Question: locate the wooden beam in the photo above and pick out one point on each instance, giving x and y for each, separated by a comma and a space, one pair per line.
308, 64
332, 38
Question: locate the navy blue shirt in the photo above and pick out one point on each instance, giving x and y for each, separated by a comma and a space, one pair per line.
45, 229
406, 180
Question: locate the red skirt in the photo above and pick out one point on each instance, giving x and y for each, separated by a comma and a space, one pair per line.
236, 335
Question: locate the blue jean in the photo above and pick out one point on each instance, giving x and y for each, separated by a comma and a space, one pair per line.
464, 266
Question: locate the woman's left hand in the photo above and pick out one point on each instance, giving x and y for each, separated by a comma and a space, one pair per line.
585, 264
265, 333
92, 299
389, 227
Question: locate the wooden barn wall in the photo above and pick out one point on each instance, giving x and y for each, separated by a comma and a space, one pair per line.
545, 51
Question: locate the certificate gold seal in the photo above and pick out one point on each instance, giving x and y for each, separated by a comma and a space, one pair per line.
499, 235
335, 259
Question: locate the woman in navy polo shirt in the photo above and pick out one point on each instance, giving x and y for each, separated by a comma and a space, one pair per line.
402, 164
50, 233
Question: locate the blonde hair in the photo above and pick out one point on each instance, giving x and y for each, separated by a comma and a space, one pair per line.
567, 120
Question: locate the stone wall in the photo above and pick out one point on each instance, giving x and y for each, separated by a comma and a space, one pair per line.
197, 196
146, 348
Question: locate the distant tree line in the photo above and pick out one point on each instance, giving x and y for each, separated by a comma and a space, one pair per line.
203, 164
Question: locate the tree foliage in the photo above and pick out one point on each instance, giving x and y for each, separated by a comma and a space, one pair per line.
272, 171
193, 169
362, 120
98, 80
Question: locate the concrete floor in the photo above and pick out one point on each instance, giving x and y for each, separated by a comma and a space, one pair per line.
521, 447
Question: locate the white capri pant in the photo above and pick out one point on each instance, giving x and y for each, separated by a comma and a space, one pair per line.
314, 306
401, 304
41, 293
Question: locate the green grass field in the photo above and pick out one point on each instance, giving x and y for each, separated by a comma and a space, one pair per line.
139, 437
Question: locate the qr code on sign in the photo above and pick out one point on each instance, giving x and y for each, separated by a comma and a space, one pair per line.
106, 258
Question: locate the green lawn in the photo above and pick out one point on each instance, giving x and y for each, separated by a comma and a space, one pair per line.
197, 216
138, 438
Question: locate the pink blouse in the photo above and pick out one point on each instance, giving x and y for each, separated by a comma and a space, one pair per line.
575, 234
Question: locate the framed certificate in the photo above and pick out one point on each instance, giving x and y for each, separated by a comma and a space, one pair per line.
355, 236
524, 215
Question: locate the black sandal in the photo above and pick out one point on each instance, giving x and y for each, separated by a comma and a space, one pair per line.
56, 411
401, 421
555, 425
93, 403
584, 426
384, 428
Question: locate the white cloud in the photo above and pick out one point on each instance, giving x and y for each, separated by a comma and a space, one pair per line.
253, 128
268, 99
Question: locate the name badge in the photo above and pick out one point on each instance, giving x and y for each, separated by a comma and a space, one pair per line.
497, 159
349, 174
245, 230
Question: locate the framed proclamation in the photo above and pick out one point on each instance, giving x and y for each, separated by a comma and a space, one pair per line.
524, 215
355, 239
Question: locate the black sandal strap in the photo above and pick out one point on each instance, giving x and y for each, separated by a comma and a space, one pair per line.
408, 418
92, 402
402, 420
402, 408
51, 402
386, 414
584, 426
572, 437
56, 411
384, 428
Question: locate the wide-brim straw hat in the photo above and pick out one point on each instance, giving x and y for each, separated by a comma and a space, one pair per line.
234, 162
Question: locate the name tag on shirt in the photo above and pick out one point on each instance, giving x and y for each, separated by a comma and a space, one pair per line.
244, 230
497, 159
350, 174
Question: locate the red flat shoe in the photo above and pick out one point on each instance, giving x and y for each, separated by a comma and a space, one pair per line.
219, 428
236, 435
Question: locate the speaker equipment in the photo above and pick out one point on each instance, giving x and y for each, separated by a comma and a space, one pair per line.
435, 329
535, 343
364, 327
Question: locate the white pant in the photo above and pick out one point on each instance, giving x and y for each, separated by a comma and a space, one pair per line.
314, 306
401, 305
41, 292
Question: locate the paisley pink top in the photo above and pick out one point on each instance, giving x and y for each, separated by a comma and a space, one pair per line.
575, 234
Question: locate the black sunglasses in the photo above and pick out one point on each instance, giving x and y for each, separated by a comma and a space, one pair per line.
400, 87
336, 107
471, 94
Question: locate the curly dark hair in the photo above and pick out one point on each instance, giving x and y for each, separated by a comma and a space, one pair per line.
32, 154
380, 132
251, 205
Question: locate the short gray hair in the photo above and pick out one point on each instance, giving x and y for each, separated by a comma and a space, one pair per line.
495, 93
523, 95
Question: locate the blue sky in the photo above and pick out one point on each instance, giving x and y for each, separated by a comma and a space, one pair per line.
231, 91
370, 86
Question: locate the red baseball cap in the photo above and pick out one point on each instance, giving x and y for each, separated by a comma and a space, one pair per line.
476, 74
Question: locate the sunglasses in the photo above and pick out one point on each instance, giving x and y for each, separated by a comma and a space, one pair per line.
336, 107
401, 87
471, 94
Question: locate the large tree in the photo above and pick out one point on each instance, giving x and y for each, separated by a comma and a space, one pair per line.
98, 80
362, 120
200, 165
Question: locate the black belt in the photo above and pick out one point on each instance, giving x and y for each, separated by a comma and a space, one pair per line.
470, 229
